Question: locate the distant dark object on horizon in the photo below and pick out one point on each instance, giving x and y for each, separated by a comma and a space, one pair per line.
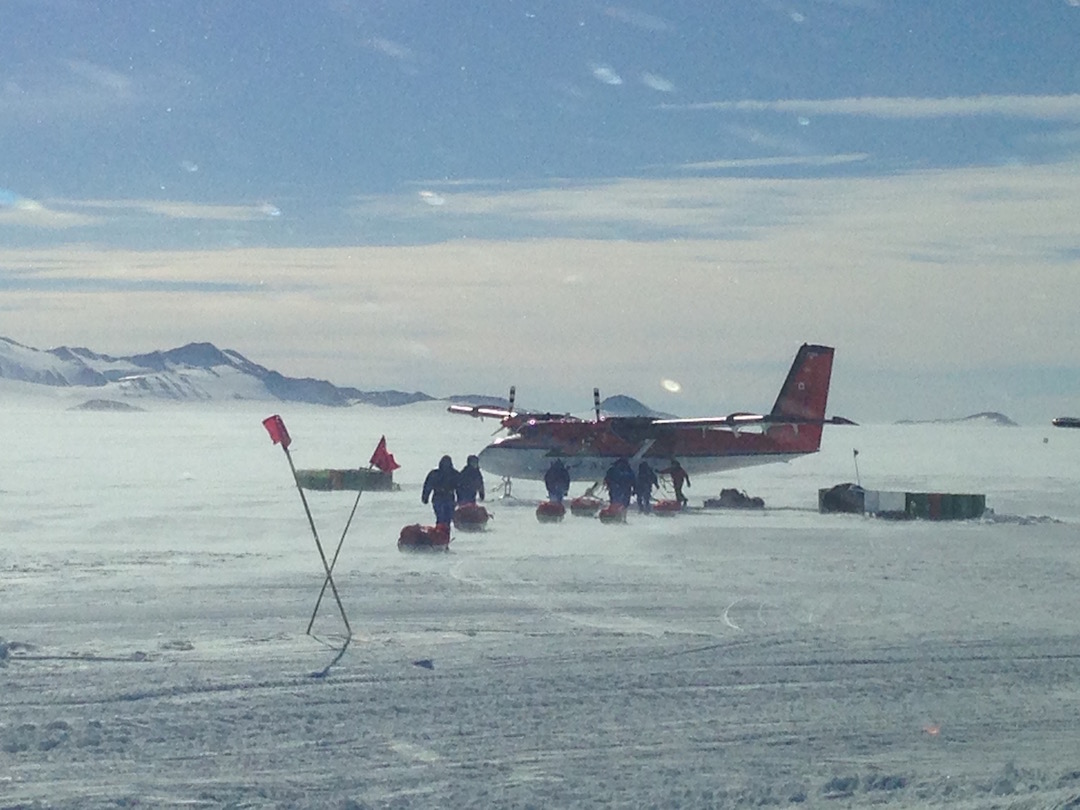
1067, 421
732, 498
991, 417
105, 405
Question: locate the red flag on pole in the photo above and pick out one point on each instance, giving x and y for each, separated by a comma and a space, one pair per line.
276, 428
383, 459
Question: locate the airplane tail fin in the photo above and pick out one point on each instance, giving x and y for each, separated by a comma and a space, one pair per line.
804, 395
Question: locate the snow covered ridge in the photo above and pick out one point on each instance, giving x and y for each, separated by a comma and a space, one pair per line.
984, 417
197, 371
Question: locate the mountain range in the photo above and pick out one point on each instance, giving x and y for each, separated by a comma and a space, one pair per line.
197, 371
202, 371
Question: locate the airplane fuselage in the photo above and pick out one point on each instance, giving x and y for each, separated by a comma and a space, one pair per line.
589, 448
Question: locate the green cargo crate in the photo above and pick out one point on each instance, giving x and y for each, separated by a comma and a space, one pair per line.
355, 480
945, 505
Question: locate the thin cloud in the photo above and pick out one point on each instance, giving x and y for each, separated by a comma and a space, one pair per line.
106, 80
74, 88
405, 57
1051, 108
32, 214
769, 162
605, 73
13, 282
638, 19
46, 221
214, 213
171, 209
658, 83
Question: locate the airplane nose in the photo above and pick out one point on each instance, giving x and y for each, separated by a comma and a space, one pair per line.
494, 460
486, 456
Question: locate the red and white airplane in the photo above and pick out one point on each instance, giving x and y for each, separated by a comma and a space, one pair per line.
702, 445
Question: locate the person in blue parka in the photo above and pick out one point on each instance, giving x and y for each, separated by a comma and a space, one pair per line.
440, 486
470, 482
619, 481
557, 481
645, 484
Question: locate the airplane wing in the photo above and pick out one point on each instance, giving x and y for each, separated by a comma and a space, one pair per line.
730, 421
738, 420
511, 418
482, 410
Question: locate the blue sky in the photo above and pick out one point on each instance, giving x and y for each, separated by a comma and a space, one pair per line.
460, 197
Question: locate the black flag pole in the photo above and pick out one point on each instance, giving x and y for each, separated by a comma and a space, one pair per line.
318, 544
855, 457
275, 426
334, 560
386, 463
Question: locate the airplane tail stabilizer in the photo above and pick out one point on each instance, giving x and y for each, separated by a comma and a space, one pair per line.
805, 394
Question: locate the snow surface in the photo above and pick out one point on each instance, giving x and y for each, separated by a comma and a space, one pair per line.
159, 575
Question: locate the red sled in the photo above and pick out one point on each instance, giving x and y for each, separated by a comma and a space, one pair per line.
613, 513
471, 517
550, 512
585, 506
666, 508
424, 538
